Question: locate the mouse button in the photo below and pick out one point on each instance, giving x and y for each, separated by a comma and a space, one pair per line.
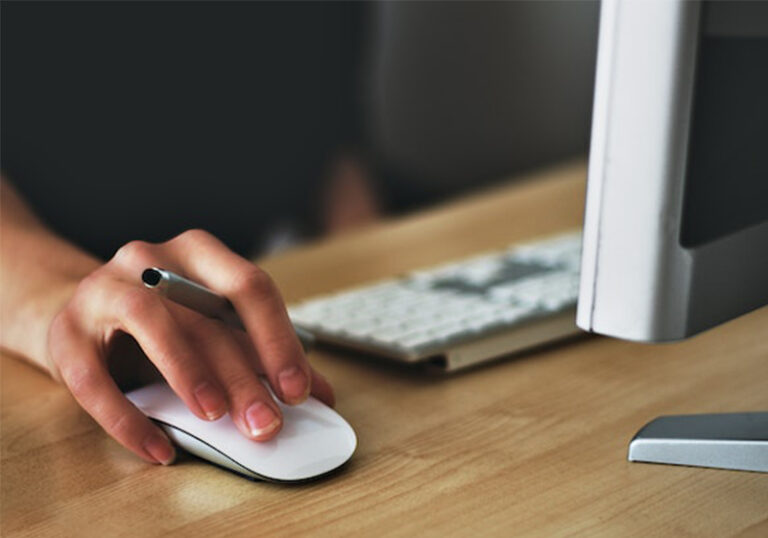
158, 401
309, 455
223, 435
320, 442
309, 420
307, 428
306, 441
303, 449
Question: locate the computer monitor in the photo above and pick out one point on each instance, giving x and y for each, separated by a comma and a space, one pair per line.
676, 223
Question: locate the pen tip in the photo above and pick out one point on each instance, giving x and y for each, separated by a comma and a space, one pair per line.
151, 277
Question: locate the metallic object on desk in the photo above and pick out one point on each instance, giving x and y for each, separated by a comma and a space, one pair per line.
736, 441
668, 252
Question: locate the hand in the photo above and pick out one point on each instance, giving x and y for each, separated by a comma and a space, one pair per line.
211, 367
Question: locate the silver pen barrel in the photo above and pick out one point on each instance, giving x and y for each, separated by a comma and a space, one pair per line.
200, 299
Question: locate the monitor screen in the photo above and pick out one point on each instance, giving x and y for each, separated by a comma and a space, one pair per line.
726, 185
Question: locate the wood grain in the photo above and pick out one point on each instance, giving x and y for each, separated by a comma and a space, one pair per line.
534, 445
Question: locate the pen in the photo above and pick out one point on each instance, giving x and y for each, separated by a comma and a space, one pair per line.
199, 298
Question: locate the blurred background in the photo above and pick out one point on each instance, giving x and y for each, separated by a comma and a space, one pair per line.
269, 123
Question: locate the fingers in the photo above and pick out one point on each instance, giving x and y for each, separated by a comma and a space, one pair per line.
145, 316
252, 408
131, 259
321, 388
218, 374
259, 305
212, 368
87, 378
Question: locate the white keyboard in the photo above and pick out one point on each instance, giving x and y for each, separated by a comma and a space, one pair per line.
459, 313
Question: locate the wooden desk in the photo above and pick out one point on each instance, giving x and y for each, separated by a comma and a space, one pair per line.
534, 445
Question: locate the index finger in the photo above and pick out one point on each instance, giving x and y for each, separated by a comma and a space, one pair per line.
258, 303
85, 374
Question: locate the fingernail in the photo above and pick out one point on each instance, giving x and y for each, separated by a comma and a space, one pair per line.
210, 400
261, 419
159, 447
293, 383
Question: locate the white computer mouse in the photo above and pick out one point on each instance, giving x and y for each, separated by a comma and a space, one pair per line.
314, 439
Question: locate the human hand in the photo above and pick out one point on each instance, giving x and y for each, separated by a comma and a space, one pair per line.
210, 366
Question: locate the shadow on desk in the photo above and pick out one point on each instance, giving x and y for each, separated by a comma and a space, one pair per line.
434, 369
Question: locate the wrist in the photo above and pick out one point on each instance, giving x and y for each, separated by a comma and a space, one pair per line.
40, 272
25, 330
46, 271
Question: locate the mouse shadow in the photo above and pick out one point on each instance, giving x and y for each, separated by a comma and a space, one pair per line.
184, 459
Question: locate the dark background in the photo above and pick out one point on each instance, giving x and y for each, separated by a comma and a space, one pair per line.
137, 120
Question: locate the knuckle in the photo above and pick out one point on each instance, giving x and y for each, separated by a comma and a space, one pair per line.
193, 236
89, 284
253, 280
243, 386
62, 326
90, 294
185, 370
134, 253
275, 347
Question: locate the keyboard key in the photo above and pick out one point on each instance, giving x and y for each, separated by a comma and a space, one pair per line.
454, 302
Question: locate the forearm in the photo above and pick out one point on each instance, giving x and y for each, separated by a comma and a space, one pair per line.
39, 272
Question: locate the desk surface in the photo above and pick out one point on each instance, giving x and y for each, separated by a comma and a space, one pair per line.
532, 445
